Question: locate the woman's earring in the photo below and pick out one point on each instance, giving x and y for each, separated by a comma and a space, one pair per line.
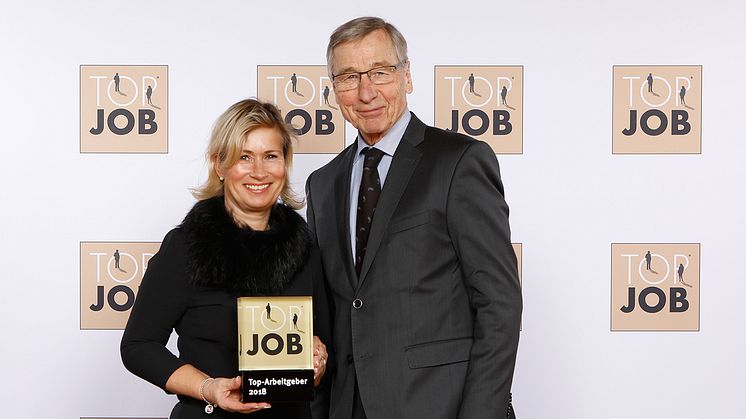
222, 178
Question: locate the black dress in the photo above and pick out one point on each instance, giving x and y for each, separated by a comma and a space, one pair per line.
191, 286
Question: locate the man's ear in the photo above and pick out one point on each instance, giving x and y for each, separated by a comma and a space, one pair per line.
408, 77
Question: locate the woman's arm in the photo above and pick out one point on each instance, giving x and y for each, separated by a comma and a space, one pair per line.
223, 392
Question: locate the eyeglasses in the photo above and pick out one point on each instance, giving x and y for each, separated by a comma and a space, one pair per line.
379, 75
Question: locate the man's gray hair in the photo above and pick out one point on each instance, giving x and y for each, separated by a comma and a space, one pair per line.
360, 27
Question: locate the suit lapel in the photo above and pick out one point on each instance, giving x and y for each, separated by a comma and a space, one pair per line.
403, 164
342, 188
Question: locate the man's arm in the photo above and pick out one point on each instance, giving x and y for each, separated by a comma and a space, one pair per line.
477, 217
320, 403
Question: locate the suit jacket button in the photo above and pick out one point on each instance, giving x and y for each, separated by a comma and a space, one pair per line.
349, 359
357, 303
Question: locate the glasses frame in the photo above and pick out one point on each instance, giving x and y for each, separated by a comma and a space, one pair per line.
396, 67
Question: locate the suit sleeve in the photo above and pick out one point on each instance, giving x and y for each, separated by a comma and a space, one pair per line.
322, 317
477, 217
310, 219
160, 303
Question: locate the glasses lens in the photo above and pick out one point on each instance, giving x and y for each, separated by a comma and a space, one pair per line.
382, 75
346, 81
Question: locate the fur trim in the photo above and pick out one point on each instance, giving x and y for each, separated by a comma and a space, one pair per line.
240, 260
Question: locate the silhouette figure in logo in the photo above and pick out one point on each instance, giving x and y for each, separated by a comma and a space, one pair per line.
680, 271
294, 81
116, 83
294, 325
116, 259
648, 258
504, 95
650, 82
471, 83
326, 95
269, 312
682, 93
149, 94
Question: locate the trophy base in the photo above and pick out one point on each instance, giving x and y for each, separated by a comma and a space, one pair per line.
277, 386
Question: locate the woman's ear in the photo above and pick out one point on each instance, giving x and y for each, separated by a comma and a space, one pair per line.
218, 167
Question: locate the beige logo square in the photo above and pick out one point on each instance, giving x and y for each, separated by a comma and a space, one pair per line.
110, 276
275, 333
657, 110
655, 286
484, 102
123, 109
305, 96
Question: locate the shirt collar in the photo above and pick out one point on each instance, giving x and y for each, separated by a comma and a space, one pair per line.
391, 139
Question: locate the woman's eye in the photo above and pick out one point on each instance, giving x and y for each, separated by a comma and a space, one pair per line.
245, 157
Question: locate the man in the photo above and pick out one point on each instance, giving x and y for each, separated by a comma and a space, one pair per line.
149, 95
650, 82
425, 290
116, 83
326, 95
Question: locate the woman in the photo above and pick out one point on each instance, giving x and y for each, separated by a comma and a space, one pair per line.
236, 241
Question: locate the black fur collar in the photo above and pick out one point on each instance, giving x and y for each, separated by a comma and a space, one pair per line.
240, 260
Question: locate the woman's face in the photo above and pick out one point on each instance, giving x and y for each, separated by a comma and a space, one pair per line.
254, 183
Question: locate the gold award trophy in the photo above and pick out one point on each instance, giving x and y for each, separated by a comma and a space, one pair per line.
275, 348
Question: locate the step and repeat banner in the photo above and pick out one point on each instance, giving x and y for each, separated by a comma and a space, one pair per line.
618, 127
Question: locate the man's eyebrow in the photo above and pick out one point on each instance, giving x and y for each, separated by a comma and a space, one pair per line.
374, 65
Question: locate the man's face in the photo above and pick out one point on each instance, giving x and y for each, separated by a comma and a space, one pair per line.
371, 108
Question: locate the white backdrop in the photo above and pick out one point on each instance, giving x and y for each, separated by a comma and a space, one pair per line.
570, 197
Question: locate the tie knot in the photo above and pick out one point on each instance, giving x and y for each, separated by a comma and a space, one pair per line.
373, 156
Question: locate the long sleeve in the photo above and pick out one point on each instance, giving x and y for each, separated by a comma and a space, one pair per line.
322, 329
161, 302
322, 317
478, 225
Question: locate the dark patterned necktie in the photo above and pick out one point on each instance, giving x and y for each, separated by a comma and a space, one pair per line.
370, 190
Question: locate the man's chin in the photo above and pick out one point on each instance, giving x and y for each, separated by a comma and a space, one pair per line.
374, 129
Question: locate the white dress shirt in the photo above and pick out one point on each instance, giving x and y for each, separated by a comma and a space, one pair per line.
388, 145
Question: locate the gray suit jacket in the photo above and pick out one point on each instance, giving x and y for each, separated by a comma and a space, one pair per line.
437, 332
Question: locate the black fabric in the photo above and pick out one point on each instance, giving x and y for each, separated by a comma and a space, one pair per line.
367, 199
203, 311
511, 411
243, 260
430, 326
358, 412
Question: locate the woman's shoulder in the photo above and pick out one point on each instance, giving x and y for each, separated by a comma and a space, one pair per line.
174, 240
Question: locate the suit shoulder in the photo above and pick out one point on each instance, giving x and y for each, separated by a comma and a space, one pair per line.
453, 142
331, 168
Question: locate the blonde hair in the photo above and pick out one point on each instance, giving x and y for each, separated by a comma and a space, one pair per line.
227, 140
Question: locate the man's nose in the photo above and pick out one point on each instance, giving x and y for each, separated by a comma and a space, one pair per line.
366, 91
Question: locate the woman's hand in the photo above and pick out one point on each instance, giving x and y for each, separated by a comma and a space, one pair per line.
319, 360
226, 393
